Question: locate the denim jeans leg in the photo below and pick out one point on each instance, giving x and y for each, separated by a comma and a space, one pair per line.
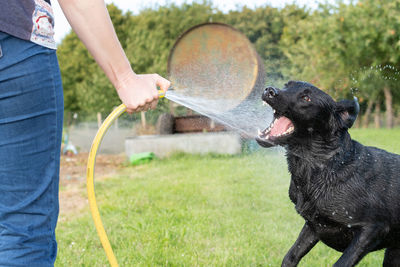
31, 113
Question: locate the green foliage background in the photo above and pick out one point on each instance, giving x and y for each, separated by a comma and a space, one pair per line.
347, 48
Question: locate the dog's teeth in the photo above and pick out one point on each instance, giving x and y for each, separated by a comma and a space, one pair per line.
259, 132
288, 131
274, 111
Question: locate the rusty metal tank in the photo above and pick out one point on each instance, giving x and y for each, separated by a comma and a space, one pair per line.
215, 59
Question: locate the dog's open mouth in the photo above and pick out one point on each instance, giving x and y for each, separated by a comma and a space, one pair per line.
280, 128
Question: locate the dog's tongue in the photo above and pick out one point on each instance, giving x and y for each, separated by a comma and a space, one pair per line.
280, 126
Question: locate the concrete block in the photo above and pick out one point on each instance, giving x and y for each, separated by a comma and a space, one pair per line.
112, 143
195, 143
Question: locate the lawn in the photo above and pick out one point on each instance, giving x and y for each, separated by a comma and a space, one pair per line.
191, 210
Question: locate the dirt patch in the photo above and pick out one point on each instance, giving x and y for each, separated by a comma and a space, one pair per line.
73, 197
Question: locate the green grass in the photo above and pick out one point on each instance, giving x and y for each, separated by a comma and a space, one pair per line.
200, 211
388, 139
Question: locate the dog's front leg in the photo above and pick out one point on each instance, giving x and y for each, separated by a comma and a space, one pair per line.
363, 242
304, 243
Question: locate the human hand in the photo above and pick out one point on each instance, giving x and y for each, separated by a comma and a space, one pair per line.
139, 92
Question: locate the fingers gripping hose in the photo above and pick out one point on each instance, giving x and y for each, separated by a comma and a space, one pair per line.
90, 180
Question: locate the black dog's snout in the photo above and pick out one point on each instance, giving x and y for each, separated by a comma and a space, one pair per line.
270, 92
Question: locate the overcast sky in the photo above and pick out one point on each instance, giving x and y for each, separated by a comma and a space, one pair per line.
62, 27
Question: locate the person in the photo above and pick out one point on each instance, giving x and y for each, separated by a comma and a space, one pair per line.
31, 116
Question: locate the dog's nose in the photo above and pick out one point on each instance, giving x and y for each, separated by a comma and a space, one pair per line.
270, 92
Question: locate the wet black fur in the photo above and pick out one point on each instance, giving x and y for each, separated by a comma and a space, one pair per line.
348, 194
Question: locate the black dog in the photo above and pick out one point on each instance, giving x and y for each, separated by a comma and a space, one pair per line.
348, 194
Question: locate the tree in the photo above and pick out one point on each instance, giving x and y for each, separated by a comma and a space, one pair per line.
349, 49
346, 48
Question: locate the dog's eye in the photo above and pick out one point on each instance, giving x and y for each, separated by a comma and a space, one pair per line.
306, 98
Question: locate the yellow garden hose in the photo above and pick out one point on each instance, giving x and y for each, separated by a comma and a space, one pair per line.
90, 180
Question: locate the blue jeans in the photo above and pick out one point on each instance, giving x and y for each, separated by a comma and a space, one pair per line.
31, 113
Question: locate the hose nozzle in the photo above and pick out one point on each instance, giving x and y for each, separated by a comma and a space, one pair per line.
161, 94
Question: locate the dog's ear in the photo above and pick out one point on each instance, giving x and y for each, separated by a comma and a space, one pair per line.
347, 111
